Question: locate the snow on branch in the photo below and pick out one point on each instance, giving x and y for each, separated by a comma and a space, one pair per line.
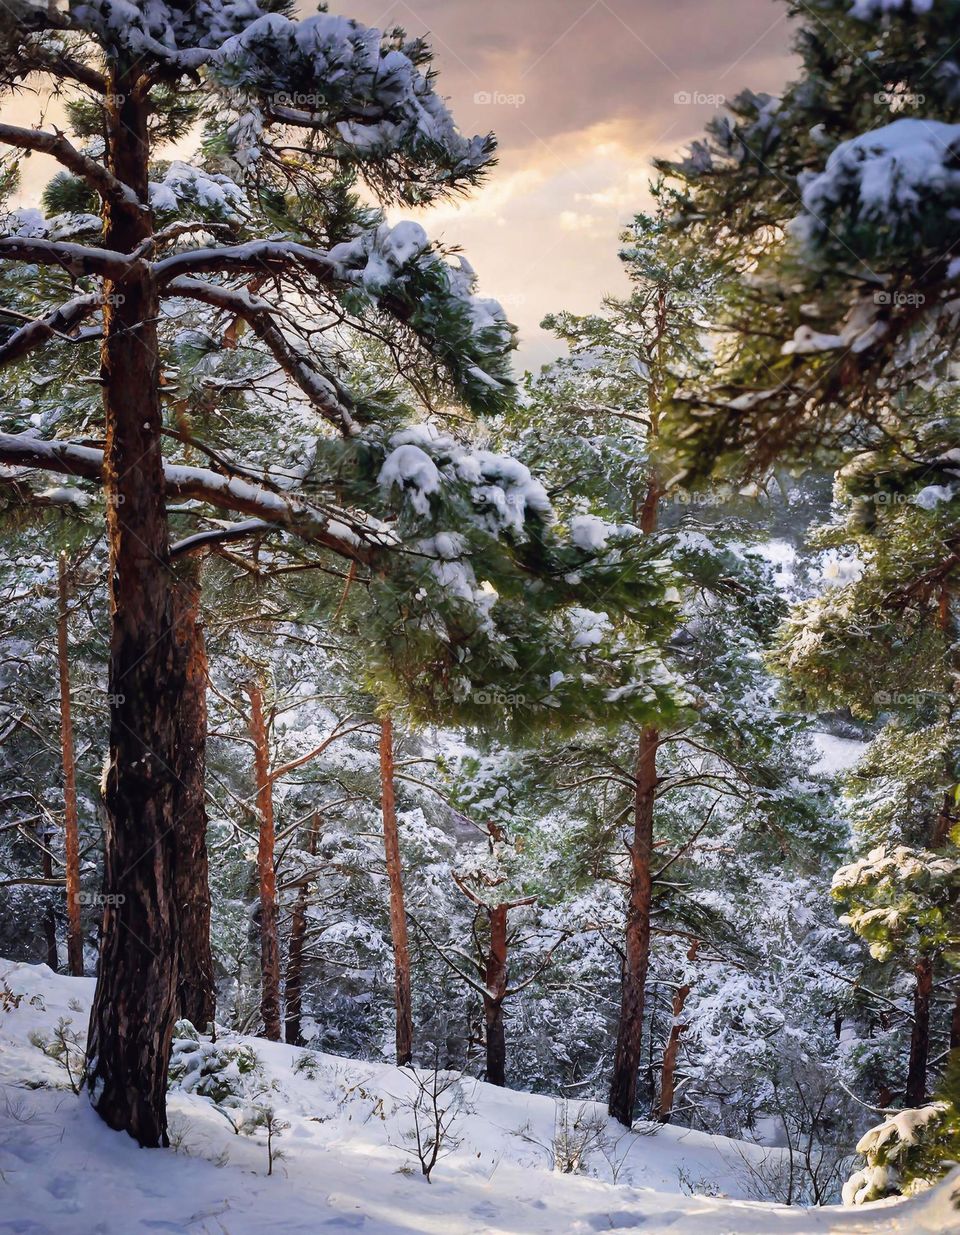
75, 259
892, 191
323, 391
370, 95
399, 272
58, 147
342, 535
56, 324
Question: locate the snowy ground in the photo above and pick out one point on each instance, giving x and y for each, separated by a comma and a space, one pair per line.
343, 1170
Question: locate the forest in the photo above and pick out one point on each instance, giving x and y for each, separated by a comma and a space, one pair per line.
542, 785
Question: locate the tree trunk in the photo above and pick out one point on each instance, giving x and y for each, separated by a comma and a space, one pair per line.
916, 1090
134, 1007
269, 928
955, 1023
398, 917
49, 915
298, 933
71, 832
636, 958
495, 980
196, 997
672, 1049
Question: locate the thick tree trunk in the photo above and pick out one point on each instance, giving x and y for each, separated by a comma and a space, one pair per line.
298, 934
916, 1090
269, 927
196, 996
71, 831
495, 980
671, 1051
134, 1007
398, 916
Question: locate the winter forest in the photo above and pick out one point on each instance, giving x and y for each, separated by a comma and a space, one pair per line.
445, 793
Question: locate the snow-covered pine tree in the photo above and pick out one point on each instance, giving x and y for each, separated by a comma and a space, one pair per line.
832, 201
733, 767
256, 228
896, 522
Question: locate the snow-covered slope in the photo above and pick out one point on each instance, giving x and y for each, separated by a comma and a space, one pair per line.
346, 1166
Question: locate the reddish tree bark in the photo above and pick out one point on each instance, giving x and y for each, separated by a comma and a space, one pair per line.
496, 976
398, 916
636, 957
134, 1007
269, 927
672, 1049
196, 995
71, 831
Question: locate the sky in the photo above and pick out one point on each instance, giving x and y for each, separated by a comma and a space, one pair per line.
582, 94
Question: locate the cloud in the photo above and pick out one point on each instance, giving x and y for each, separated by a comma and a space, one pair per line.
582, 95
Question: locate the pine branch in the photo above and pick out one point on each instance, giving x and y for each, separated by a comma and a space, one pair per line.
58, 147
199, 484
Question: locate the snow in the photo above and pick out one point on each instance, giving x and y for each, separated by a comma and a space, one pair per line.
409, 468
345, 1167
213, 192
930, 497
836, 754
867, 9
890, 177
377, 255
806, 341
590, 533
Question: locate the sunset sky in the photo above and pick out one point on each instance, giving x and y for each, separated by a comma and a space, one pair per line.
581, 95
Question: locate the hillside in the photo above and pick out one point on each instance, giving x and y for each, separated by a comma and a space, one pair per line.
345, 1164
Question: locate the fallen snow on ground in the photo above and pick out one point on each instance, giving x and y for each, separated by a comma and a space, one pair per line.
62, 1171
836, 754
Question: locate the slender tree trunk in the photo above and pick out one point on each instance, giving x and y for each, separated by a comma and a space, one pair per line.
672, 1049
298, 933
916, 1091
196, 996
71, 831
398, 916
955, 1023
49, 916
269, 927
495, 980
636, 958
134, 1007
